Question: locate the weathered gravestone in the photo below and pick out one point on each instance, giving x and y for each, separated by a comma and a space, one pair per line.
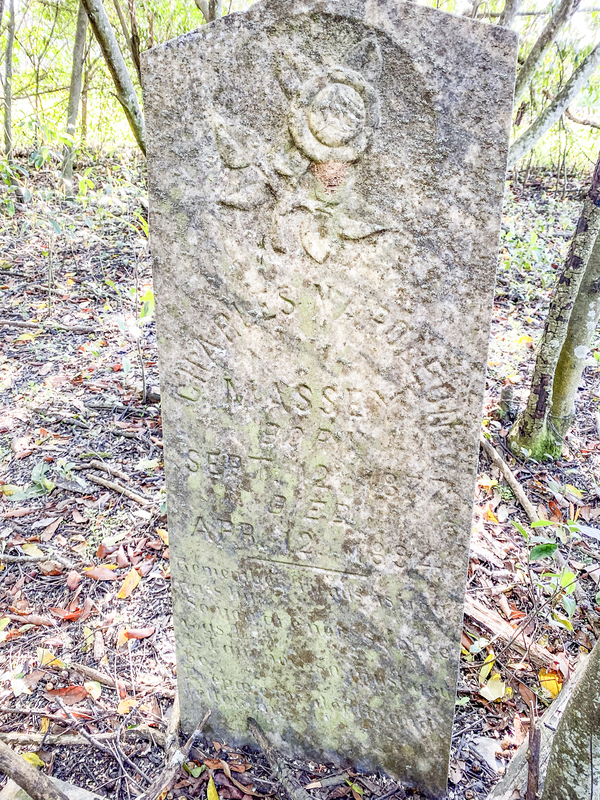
326, 182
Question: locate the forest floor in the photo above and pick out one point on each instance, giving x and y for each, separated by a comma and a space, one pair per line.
86, 639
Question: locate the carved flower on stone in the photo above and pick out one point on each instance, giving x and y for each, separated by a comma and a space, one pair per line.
333, 114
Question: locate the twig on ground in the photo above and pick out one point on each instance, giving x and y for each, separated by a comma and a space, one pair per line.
37, 784
117, 753
56, 326
281, 771
36, 559
507, 473
494, 623
95, 464
162, 784
108, 680
116, 487
75, 740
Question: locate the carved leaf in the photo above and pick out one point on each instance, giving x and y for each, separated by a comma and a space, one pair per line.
315, 235
234, 152
249, 197
365, 57
351, 228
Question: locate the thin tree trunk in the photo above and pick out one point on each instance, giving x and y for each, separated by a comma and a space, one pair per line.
509, 13
212, 9
542, 45
8, 65
582, 326
135, 41
555, 110
203, 8
84, 104
533, 430
74, 96
126, 93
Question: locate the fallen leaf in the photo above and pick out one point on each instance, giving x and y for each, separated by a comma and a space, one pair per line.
122, 560
126, 705
551, 681
495, 689
33, 759
164, 535
138, 633
88, 639
19, 687
73, 579
44, 725
486, 668
50, 568
70, 695
132, 579
211, 790
32, 550
121, 639
100, 573
49, 532
46, 658
94, 689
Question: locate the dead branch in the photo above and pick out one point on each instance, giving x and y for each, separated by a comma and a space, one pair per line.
37, 784
37, 559
53, 326
75, 740
108, 680
281, 771
494, 623
514, 484
116, 487
95, 464
162, 784
590, 122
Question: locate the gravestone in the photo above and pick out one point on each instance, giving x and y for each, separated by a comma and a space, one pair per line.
326, 181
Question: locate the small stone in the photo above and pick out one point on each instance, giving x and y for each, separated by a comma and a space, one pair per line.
49, 687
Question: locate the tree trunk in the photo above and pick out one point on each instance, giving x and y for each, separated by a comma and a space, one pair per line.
509, 13
8, 65
555, 110
576, 347
74, 96
542, 45
126, 93
533, 429
211, 9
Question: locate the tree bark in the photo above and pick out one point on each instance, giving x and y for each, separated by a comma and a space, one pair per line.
542, 45
533, 429
126, 93
555, 110
211, 9
74, 97
37, 784
582, 326
8, 65
509, 13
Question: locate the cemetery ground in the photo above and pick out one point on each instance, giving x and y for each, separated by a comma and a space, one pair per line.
87, 658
